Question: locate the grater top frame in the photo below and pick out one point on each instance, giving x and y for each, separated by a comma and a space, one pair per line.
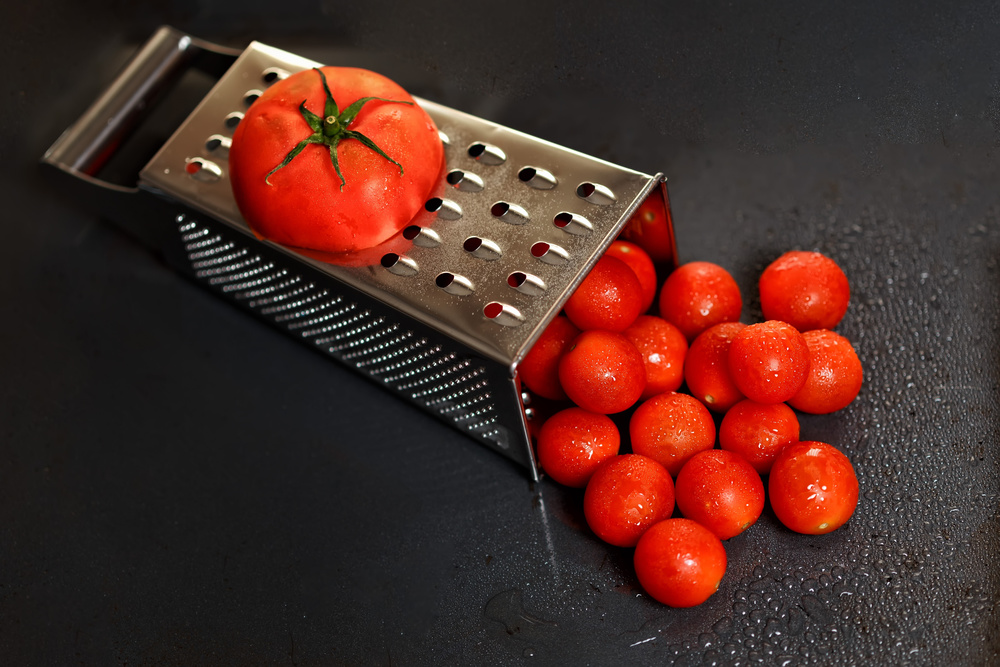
459, 268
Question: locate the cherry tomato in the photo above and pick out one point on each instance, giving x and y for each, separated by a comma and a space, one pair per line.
663, 348
609, 298
540, 368
652, 230
573, 443
642, 266
368, 195
769, 361
706, 367
806, 289
698, 295
758, 431
680, 562
835, 374
602, 372
812, 488
721, 491
671, 428
626, 495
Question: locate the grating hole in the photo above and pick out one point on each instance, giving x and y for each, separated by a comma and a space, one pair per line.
251, 96
526, 174
433, 204
390, 260
272, 74
472, 244
537, 178
563, 219
233, 119
492, 310
455, 177
444, 279
595, 193
585, 190
464, 180
516, 279
477, 149
499, 209
539, 249
487, 154
411, 232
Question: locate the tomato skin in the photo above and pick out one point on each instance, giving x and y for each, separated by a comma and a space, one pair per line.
651, 229
609, 298
671, 428
769, 361
573, 443
835, 374
698, 295
663, 348
304, 206
625, 496
812, 488
706, 367
806, 289
539, 370
642, 266
758, 432
680, 562
602, 372
721, 491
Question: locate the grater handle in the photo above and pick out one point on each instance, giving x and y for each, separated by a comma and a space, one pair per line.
96, 135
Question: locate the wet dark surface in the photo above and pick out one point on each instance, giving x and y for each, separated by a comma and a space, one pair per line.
180, 484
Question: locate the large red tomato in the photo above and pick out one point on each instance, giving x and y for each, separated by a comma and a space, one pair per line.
368, 158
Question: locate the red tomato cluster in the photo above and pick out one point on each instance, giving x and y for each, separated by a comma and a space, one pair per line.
672, 493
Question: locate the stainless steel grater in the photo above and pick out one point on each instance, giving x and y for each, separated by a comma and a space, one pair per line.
445, 317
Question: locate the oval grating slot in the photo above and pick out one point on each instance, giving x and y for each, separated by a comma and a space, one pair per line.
440, 380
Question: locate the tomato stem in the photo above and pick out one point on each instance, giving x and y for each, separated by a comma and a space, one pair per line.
331, 128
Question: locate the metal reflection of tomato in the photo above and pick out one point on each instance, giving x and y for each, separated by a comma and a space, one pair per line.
336, 160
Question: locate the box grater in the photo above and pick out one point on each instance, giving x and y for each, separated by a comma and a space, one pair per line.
443, 317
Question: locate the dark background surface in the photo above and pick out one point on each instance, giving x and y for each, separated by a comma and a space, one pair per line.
180, 484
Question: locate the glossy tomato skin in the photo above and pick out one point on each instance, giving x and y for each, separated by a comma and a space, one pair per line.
812, 488
721, 491
806, 289
663, 348
680, 562
706, 367
758, 432
304, 206
573, 443
651, 229
835, 374
642, 266
602, 372
609, 298
540, 368
670, 428
625, 496
769, 361
698, 295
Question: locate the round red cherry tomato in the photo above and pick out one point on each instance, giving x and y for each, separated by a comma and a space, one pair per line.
806, 289
706, 367
671, 428
609, 298
758, 431
602, 372
721, 491
698, 295
651, 229
626, 495
306, 203
642, 266
539, 370
663, 348
812, 488
835, 374
573, 443
680, 562
769, 361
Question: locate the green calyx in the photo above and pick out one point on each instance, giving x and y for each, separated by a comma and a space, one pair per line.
330, 129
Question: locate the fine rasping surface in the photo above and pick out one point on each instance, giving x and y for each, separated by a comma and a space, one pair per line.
181, 485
